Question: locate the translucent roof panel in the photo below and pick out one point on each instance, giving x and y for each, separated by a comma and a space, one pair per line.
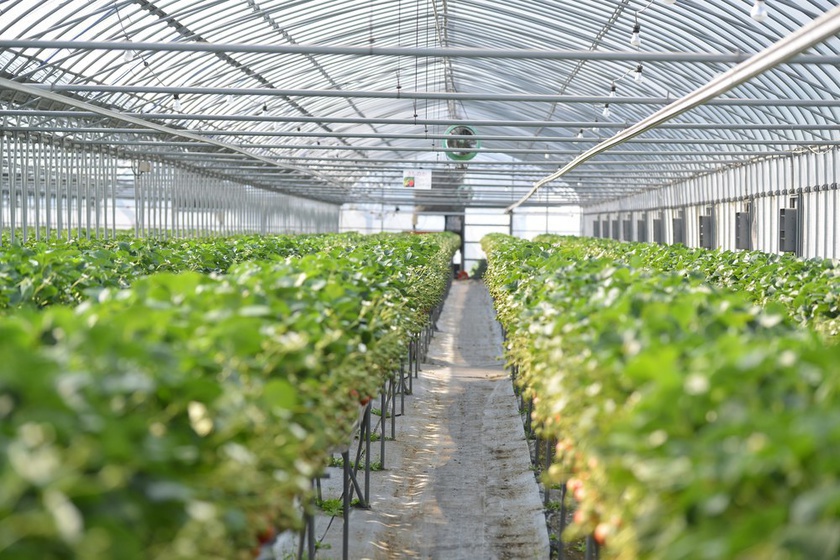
324, 94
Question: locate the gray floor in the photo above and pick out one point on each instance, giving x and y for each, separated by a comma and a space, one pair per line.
457, 483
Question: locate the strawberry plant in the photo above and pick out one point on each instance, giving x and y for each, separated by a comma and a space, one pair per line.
689, 421
808, 288
66, 272
184, 417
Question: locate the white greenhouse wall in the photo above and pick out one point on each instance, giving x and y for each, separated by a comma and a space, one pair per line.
377, 218
524, 222
47, 189
806, 183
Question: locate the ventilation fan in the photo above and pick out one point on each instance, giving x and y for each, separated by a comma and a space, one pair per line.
464, 148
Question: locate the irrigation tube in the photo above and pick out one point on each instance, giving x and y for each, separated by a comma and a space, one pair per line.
825, 26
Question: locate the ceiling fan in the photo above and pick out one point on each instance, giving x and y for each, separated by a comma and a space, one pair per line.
464, 148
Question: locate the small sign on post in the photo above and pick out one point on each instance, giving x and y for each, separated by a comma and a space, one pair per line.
417, 179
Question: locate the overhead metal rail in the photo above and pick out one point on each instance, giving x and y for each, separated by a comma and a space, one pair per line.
538, 151
500, 150
429, 95
413, 52
445, 164
527, 139
205, 117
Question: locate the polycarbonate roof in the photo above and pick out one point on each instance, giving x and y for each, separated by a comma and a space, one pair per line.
318, 97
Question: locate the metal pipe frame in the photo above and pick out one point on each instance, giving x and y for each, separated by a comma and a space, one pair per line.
52, 96
807, 36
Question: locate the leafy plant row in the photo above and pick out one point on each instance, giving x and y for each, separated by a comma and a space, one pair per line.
181, 416
690, 423
66, 272
808, 288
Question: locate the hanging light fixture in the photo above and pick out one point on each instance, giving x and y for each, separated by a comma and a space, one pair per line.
636, 36
637, 75
580, 134
669, 2
128, 55
759, 11
606, 112
612, 90
177, 102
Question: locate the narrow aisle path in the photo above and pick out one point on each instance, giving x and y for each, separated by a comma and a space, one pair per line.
459, 483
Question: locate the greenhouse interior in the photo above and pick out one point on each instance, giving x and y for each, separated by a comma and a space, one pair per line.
170, 165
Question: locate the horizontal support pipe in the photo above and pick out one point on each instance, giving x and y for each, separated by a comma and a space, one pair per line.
541, 54
205, 117
500, 171
482, 137
397, 149
486, 150
447, 165
431, 95
567, 202
533, 54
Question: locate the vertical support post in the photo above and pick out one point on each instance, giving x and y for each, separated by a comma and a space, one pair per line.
13, 187
591, 548
367, 453
345, 537
97, 187
37, 181
528, 411
70, 160
113, 196
562, 517
402, 387
24, 187
310, 536
4, 146
310, 531
384, 408
547, 465
393, 389
410, 367
89, 176
137, 211
417, 356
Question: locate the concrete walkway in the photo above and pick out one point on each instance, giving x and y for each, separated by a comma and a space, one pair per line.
457, 483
